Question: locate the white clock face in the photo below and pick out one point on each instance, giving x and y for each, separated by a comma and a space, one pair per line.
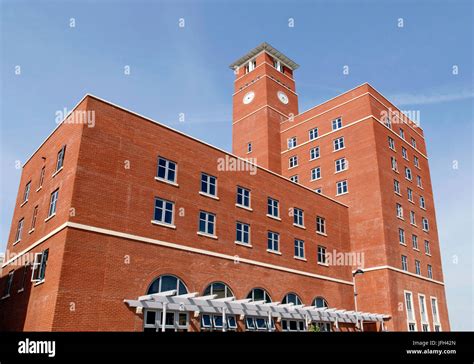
282, 97
248, 98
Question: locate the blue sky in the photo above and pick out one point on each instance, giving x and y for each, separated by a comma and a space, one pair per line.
185, 70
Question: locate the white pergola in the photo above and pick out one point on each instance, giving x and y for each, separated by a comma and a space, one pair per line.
192, 302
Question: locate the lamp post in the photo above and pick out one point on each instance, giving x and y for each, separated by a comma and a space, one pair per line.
358, 271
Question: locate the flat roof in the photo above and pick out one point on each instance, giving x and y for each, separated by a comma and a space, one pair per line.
270, 50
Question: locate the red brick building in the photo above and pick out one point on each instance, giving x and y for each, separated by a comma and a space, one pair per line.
119, 218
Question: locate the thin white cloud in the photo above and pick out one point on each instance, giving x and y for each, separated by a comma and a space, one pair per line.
433, 98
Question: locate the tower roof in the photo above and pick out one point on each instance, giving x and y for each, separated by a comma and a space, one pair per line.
270, 50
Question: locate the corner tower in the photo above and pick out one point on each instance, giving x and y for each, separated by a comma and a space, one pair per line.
264, 96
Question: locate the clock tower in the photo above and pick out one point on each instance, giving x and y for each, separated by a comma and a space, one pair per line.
264, 96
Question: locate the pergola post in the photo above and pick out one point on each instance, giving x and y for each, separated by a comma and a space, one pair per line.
163, 319
224, 321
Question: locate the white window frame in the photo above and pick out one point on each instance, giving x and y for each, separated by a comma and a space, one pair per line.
399, 210
413, 218
419, 182
422, 203
401, 133
273, 239
38, 266
429, 271
53, 202
404, 153
41, 179
273, 204
164, 211
340, 165
26, 193
413, 142
417, 267
292, 143
427, 247
313, 134
207, 223
401, 236
208, 184
19, 230
244, 230
315, 173
297, 213
404, 263
396, 187
391, 143
299, 249
416, 161
338, 144
337, 123
293, 161
249, 147
408, 174
410, 194
167, 168
425, 224
422, 305
321, 252
414, 242
60, 159
241, 191
343, 186
410, 320
394, 164
314, 153
294, 178
320, 225
435, 315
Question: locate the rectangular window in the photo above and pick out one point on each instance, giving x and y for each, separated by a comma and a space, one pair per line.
408, 175
273, 207
404, 263
404, 153
293, 161
207, 223
249, 147
401, 236
242, 233
294, 178
315, 173
391, 143
26, 194
416, 161
341, 165
396, 186
292, 143
53, 201
409, 307
388, 122
427, 247
426, 226
19, 230
41, 179
313, 133
337, 124
38, 270
298, 217
414, 242
410, 194
314, 153
273, 241
60, 158
243, 197
9, 284
422, 202
430, 271
33, 219
418, 182
208, 184
413, 143
166, 170
299, 248
399, 211
322, 254
412, 218
338, 143
394, 164
341, 187
320, 224
164, 211
417, 267
434, 310
402, 133
423, 313
24, 277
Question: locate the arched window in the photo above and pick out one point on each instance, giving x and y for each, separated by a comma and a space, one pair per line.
292, 298
222, 290
259, 294
167, 283
320, 302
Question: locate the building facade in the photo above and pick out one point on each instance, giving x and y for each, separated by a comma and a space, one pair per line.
122, 219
